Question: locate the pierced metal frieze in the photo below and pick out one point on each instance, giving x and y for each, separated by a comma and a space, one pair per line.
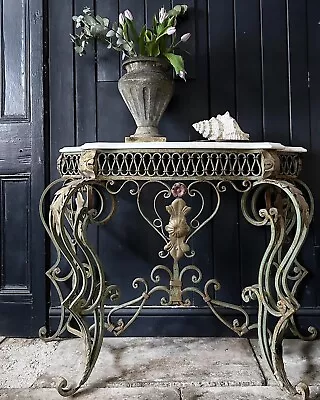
68, 164
183, 165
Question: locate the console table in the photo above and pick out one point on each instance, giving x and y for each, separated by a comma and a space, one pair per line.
92, 175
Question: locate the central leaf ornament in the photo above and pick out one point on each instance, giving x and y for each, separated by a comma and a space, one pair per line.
178, 229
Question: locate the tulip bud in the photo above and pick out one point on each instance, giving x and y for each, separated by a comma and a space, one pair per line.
128, 15
121, 19
185, 37
182, 74
162, 15
171, 30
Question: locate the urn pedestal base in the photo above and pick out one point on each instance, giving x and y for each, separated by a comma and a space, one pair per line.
137, 139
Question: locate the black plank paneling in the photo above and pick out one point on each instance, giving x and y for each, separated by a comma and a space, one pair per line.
223, 98
248, 72
85, 89
61, 81
108, 61
258, 59
313, 18
275, 72
297, 31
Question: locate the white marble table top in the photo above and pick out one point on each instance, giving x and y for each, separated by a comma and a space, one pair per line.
197, 145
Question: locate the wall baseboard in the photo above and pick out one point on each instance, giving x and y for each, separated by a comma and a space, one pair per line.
195, 322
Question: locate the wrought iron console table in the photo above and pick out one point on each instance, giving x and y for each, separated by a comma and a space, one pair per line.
272, 195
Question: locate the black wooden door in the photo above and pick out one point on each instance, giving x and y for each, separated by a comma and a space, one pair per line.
22, 249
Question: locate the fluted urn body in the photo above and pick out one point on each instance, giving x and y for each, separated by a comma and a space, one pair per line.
146, 88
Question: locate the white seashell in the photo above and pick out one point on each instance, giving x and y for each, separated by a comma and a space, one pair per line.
222, 127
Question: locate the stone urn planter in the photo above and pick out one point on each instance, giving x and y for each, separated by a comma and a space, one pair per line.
146, 88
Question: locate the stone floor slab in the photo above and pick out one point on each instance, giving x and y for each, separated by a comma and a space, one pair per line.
242, 393
97, 394
302, 361
2, 338
22, 360
159, 362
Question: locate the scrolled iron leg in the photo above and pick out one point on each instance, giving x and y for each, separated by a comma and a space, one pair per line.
69, 216
287, 214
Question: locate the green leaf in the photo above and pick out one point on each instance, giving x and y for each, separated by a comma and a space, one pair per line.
79, 50
142, 50
176, 61
155, 22
133, 32
98, 30
99, 19
156, 50
90, 20
184, 8
110, 34
181, 9
125, 31
148, 35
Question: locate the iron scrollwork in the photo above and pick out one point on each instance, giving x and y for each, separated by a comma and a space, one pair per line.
178, 214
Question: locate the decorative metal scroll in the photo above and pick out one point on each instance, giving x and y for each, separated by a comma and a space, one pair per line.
178, 213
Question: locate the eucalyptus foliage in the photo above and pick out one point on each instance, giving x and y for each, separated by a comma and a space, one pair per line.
123, 36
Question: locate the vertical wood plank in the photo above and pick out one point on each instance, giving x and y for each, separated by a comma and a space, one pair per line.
114, 119
300, 123
313, 18
223, 98
176, 123
152, 7
61, 90
108, 59
85, 88
137, 8
275, 71
222, 57
249, 115
188, 24
61, 79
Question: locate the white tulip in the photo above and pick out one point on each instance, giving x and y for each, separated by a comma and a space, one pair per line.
171, 30
121, 19
128, 15
185, 37
182, 75
162, 15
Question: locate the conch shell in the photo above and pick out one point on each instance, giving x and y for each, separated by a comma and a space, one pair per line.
222, 127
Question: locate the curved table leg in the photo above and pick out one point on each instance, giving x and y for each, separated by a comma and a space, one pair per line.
287, 214
69, 216
300, 271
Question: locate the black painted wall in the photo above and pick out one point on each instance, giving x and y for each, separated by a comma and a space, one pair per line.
259, 59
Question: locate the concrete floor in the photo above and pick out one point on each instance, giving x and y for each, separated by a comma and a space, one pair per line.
154, 369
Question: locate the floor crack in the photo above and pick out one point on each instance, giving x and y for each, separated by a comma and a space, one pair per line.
265, 381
